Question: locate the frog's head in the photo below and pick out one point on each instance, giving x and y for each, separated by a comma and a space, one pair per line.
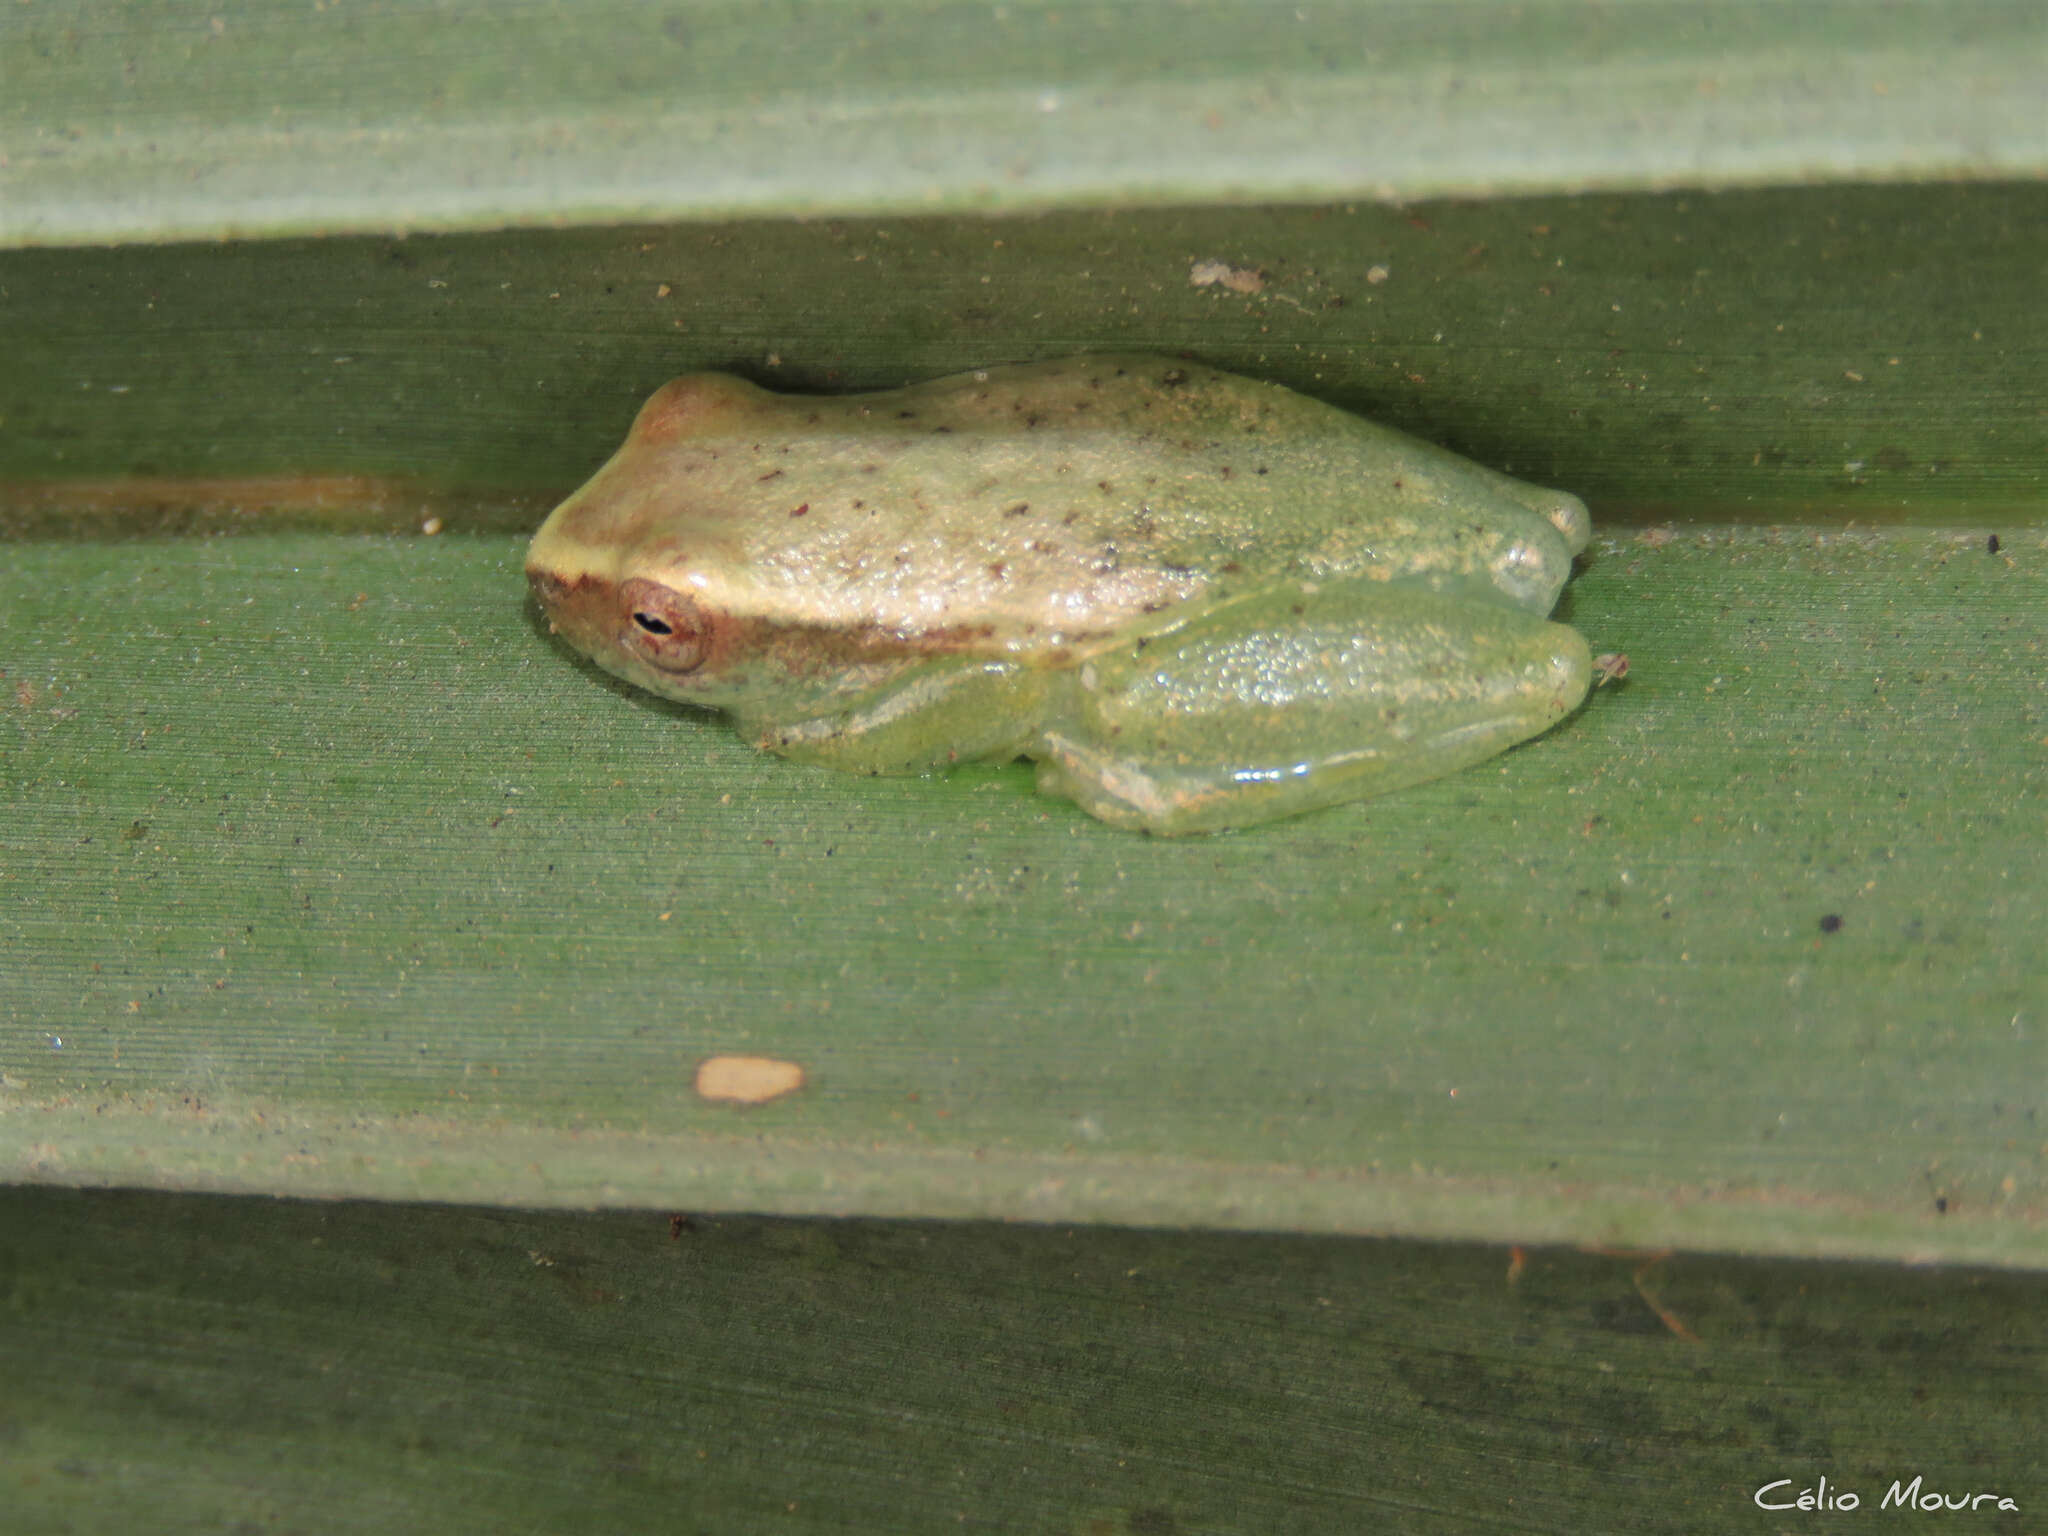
643, 610
629, 571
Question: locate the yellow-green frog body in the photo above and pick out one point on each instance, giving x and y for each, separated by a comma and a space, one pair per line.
1197, 600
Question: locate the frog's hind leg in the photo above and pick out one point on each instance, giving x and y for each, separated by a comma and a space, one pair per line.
1291, 701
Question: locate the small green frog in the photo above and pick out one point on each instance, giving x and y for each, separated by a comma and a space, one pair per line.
1197, 600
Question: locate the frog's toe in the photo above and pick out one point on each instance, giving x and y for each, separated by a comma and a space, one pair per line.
1568, 515
1568, 668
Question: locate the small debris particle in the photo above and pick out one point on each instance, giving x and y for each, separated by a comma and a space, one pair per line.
1991, 545
1207, 274
432, 526
1609, 667
1377, 274
1832, 923
747, 1079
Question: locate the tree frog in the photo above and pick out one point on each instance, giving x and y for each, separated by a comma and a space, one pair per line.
1198, 601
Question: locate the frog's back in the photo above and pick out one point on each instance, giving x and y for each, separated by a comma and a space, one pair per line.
1050, 507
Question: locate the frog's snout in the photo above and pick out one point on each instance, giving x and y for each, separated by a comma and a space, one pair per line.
579, 608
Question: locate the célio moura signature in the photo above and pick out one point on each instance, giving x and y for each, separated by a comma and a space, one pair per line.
1824, 1499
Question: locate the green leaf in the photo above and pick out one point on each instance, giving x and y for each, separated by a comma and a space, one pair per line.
201, 1364
187, 121
1822, 355
336, 876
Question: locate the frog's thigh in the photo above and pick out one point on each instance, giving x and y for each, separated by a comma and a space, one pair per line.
928, 717
1297, 700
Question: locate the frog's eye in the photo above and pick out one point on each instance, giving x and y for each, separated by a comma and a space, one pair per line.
663, 627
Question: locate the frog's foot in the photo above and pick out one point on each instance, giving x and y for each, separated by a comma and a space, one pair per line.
1303, 699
